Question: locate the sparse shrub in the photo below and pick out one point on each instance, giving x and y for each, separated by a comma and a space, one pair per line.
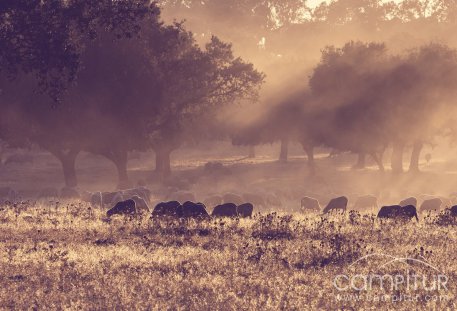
272, 227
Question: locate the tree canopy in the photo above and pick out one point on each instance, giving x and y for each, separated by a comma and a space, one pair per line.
133, 82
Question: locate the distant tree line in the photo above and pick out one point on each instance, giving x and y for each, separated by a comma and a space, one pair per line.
362, 99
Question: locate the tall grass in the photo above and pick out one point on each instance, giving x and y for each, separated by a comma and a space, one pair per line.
58, 255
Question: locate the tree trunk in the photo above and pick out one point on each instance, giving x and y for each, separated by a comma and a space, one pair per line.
121, 165
251, 152
2, 152
120, 160
69, 171
284, 150
68, 160
361, 161
397, 157
378, 159
163, 163
309, 150
415, 156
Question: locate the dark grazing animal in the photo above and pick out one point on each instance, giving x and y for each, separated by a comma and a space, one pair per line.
431, 204
408, 211
336, 203
408, 201
398, 211
245, 210
225, 210
171, 208
310, 204
453, 211
389, 211
194, 210
127, 207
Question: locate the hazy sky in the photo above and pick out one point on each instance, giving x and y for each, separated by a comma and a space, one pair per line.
314, 3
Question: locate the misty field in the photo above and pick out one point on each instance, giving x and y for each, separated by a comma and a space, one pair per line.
68, 256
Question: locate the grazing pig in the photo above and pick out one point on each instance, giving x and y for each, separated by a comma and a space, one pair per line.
194, 210
408, 201
409, 211
398, 211
225, 210
171, 208
123, 208
389, 211
431, 204
445, 201
245, 210
336, 203
310, 204
453, 211
366, 202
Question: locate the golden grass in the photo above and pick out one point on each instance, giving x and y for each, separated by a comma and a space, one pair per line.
69, 257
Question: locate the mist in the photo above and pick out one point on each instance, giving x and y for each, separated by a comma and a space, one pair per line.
228, 154
306, 95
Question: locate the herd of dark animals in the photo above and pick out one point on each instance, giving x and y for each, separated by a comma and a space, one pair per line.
135, 202
186, 210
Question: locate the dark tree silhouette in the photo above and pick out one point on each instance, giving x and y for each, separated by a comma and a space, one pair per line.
193, 83
345, 84
41, 51
371, 99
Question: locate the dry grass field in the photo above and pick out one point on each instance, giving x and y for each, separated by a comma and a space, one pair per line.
68, 256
